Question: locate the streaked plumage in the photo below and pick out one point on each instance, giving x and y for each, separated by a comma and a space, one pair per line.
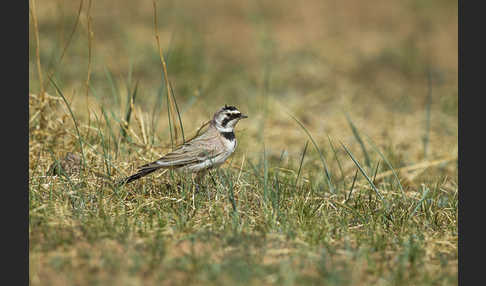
205, 151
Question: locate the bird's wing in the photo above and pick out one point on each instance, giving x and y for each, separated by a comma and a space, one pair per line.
204, 147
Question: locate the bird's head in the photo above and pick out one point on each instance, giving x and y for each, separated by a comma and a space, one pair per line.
226, 118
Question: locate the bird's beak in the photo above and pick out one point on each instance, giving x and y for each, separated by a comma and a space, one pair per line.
243, 116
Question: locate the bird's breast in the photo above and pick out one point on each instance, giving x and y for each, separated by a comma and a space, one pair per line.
230, 144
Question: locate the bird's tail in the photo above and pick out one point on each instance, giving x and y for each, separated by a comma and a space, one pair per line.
142, 172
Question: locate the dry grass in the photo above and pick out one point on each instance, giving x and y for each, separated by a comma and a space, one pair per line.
322, 62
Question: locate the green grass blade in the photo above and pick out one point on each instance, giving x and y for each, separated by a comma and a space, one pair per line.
364, 173
169, 117
424, 195
178, 113
106, 155
276, 197
80, 140
373, 145
328, 176
336, 157
352, 186
376, 171
301, 162
360, 141
112, 134
158, 103
230, 187
114, 87
130, 102
426, 137
265, 175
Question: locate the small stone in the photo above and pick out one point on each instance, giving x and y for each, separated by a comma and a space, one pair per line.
71, 164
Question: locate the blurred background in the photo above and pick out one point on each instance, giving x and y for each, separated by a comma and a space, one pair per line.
390, 67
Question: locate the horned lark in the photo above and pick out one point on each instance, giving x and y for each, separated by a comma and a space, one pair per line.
205, 151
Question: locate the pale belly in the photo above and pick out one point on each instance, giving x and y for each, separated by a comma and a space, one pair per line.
207, 164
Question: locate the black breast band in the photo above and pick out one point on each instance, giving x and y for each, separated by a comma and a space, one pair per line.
229, 135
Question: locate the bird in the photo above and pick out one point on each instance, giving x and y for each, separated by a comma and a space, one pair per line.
205, 151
